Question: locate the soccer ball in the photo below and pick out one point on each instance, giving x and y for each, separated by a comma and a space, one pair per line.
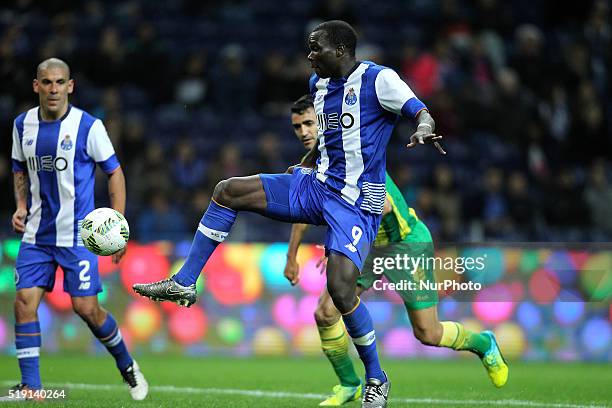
105, 231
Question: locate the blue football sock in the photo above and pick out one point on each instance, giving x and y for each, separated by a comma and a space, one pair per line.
110, 335
359, 326
27, 342
214, 227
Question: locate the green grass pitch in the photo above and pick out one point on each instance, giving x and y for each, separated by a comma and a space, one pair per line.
179, 381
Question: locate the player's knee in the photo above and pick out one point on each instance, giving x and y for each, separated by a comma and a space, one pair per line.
25, 309
87, 312
225, 193
326, 315
341, 283
342, 294
344, 300
427, 335
221, 192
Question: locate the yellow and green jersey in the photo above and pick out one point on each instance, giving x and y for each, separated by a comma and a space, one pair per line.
401, 232
400, 222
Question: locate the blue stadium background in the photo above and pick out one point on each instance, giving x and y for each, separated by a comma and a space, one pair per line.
193, 92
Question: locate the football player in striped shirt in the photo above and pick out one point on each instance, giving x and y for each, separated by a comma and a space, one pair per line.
400, 230
56, 148
340, 184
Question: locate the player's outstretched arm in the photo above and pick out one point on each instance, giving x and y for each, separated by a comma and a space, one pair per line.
116, 194
396, 96
292, 268
21, 185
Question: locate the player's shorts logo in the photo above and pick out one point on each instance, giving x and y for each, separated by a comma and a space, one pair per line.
66, 143
29, 142
350, 98
16, 277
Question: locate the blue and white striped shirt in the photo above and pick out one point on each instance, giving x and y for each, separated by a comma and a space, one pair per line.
355, 118
60, 159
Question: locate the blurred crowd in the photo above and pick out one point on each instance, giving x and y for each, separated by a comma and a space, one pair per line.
192, 92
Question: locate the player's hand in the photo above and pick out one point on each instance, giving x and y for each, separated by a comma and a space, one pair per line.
423, 135
292, 271
118, 255
18, 220
322, 262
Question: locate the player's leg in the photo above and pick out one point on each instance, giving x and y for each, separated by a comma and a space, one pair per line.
341, 283
34, 272
104, 326
335, 345
27, 335
349, 237
422, 310
229, 197
430, 331
264, 194
342, 276
82, 282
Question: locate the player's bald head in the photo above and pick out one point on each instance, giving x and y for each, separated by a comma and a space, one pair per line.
52, 63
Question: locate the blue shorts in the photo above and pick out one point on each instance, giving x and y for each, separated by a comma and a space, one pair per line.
36, 265
301, 198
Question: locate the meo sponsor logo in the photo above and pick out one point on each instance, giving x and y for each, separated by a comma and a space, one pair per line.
332, 121
47, 163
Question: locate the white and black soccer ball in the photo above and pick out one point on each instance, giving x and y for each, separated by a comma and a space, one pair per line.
105, 231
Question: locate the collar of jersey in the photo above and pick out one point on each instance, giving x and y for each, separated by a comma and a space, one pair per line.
40, 119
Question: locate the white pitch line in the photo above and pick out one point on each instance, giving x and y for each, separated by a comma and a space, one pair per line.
283, 394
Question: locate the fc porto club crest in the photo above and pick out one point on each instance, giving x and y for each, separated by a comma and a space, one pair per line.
66, 143
350, 98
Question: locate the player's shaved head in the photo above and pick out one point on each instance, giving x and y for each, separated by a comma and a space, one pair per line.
53, 85
338, 33
52, 63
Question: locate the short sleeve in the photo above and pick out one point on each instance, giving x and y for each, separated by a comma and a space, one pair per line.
17, 156
395, 95
100, 148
